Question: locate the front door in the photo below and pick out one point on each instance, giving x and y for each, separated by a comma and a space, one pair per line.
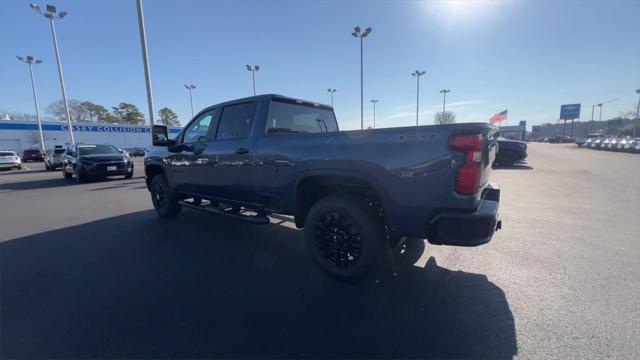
189, 161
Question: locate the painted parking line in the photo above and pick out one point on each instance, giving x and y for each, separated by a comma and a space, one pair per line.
26, 167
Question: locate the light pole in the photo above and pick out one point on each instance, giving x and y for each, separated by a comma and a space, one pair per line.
145, 60
253, 70
190, 88
417, 74
444, 99
592, 108
30, 61
331, 91
52, 14
358, 34
374, 101
637, 114
600, 106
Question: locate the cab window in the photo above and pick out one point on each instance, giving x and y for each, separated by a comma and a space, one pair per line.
198, 130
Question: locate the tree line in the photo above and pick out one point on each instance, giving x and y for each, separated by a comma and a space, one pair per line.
123, 113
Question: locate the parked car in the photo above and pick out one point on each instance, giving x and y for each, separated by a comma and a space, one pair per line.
613, 143
138, 151
602, 143
632, 145
588, 140
354, 192
95, 160
561, 140
510, 152
53, 158
32, 155
9, 160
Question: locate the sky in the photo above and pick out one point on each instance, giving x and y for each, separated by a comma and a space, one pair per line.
525, 56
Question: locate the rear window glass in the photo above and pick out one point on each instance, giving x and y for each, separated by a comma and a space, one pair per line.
7, 153
288, 118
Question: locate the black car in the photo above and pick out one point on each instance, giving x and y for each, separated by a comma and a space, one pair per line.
32, 155
96, 160
510, 152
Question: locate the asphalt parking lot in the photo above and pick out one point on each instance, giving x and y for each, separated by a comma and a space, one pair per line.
88, 270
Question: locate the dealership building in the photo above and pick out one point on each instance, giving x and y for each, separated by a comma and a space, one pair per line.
21, 135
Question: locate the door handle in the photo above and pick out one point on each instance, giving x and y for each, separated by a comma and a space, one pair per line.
242, 151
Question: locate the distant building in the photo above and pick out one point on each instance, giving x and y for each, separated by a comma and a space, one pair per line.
21, 135
517, 132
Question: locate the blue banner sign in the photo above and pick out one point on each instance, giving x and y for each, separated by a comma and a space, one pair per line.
569, 111
82, 127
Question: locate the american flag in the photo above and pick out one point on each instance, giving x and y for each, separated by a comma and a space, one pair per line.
502, 116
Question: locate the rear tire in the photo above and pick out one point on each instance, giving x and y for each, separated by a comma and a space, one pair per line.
344, 237
163, 197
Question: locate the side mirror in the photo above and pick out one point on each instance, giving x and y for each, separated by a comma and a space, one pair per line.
160, 135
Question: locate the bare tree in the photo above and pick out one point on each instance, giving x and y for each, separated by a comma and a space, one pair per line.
77, 111
443, 118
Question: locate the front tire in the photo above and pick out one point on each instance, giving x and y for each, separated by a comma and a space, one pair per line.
129, 174
65, 174
163, 197
80, 178
344, 237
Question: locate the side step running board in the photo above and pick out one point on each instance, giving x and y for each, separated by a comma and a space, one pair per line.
255, 219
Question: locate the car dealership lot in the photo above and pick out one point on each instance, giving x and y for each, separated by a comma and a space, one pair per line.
88, 270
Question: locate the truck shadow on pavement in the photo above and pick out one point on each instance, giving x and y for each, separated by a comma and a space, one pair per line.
135, 286
59, 182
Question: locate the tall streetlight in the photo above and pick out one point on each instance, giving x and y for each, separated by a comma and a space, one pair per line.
374, 101
444, 99
253, 70
600, 106
357, 33
52, 14
190, 88
30, 61
417, 74
145, 60
592, 108
637, 114
331, 91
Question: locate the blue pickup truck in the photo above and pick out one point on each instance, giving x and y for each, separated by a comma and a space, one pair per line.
353, 192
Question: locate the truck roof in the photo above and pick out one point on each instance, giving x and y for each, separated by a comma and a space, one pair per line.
269, 97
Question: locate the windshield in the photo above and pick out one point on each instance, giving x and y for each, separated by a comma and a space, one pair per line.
97, 149
58, 151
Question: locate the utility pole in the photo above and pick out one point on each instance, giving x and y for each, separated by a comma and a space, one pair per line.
145, 60
52, 14
30, 61
417, 74
374, 101
331, 91
253, 73
357, 33
444, 99
190, 88
637, 115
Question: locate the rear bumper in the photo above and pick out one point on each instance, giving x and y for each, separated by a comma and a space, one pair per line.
468, 229
9, 165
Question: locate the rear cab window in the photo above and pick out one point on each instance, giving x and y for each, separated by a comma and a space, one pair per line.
298, 117
7, 153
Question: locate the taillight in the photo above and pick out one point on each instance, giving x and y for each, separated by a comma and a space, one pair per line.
468, 174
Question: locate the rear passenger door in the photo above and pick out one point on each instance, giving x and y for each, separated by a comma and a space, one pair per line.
231, 177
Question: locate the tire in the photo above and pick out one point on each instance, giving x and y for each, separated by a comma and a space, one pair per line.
80, 178
352, 221
65, 174
129, 174
163, 197
47, 167
507, 159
